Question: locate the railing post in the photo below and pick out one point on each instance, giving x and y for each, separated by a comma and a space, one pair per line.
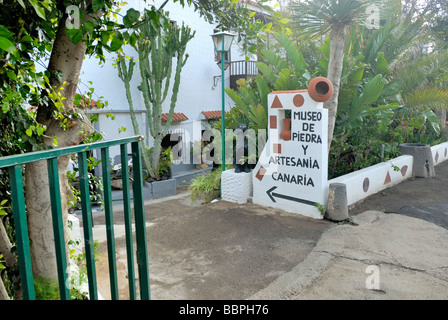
128, 220
109, 223
14, 164
140, 221
21, 230
87, 224
58, 228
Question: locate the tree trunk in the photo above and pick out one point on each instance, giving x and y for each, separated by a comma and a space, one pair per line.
6, 246
10, 258
66, 58
3, 293
43, 256
338, 40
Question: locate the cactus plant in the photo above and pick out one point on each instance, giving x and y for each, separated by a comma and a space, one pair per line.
157, 46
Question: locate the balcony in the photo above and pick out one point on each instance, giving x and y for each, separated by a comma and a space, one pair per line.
241, 69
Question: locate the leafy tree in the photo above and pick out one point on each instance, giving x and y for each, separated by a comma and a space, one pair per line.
435, 14
335, 17
389, 84
31, 30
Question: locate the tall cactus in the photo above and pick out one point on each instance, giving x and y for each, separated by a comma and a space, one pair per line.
157, 46
125, 75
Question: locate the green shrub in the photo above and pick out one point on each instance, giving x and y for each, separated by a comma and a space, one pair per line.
48, 289
206, 186
377, 139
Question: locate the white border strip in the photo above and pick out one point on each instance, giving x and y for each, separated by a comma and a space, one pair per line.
368, 181
439, 153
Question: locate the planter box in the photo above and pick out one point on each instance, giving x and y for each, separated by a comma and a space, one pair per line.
163, 188
184, 178
365, 182
153, 190
440, 153
147, 191
423, 166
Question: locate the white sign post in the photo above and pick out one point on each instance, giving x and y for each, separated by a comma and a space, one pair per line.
292, 171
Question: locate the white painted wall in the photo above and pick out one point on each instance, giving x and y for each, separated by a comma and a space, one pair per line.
439, 153
196, 93
368, 181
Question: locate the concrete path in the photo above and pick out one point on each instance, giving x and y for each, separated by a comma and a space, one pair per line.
387, 256
398, 249
228, 251
216, 251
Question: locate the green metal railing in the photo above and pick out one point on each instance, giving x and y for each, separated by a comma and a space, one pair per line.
14, 165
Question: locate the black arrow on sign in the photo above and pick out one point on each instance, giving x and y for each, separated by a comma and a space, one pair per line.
272, 194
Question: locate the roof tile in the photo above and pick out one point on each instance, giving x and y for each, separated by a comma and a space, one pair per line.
83, 104
212, 114
177, 117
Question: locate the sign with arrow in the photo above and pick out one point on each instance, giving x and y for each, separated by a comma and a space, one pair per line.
291, 173
273, 195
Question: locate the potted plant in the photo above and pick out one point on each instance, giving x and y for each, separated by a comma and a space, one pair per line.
206, 187
166, 158
165, 186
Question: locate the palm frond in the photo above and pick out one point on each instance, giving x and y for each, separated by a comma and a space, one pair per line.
406, 42
316, 17
292, 53
428, 98
377, 41
426, 71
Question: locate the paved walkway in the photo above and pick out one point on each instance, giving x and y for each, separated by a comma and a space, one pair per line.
398, 251
397, 248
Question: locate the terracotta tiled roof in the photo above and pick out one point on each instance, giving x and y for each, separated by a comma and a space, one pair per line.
83, 104
212, 114
177, 117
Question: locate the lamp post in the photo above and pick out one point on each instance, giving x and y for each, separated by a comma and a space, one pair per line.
223, 42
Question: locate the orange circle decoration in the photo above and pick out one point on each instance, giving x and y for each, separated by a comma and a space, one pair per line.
320, 89
298, 100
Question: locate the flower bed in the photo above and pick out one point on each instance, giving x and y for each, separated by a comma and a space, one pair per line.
368, 181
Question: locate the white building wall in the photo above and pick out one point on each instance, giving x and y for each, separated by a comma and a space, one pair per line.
196, 93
